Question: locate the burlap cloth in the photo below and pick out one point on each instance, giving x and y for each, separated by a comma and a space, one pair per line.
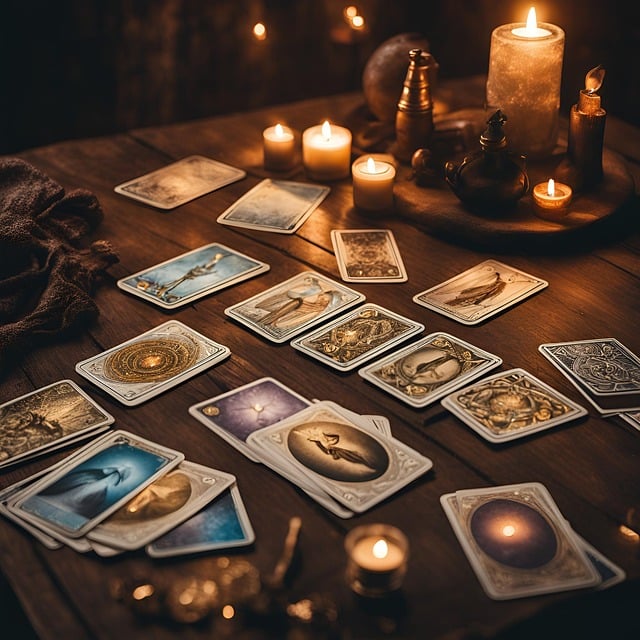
48, 274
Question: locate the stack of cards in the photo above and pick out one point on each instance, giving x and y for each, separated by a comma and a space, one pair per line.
122, 493
345, 461
46, 419
357, 336
603, 370
510, 405
179, 182
279, 206
192, 275
424, 371
480, 292
290, 307
368, 255
149, 364
519, 544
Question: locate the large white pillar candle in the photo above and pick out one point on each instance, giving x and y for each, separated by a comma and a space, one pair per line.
326, 152
524, 81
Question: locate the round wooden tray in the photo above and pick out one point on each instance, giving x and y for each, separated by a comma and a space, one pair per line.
438, 210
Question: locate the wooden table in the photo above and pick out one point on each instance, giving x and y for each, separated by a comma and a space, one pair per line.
591, 467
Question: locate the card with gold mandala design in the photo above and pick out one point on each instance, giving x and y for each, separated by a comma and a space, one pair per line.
151, 363
511, 404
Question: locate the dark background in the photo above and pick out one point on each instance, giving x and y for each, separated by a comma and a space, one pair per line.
80, 68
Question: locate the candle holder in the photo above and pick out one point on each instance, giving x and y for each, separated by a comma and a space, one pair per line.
551, 200
376, 559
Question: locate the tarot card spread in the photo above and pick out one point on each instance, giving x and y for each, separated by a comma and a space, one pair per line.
368, 255
288, 308
603, 370
517, 541
357, 336
480, 292
510, 405
426, 370
279, 206
192, 275
151, 363
160, 506
180, 182
48, 418
94, 482
356, 466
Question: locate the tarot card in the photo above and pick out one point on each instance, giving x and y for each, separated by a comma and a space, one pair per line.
368, 255
94, 482
292, 306
609, 572
161, 506
280, 206
180, 182
355, 466
605, 371
221, 524
192, 275
357, 336
149, 364
46, 418
7, 495
379, 424
425, 371
511, 404
236, 414
480, 292
517, 541
632, 417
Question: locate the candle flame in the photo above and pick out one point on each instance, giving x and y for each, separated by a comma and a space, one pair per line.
326, 130
594, 79
259, 31
371, 165
279, 130
508, 530
532, 21
380, 549
228, 612
551, 187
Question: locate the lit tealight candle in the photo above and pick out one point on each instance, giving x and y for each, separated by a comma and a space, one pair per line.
373, 183
524, 81
279, 148
326, 152
376, 559
552, 199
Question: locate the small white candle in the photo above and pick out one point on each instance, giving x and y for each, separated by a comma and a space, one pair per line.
279, 148
377, 559
373, 183
326, 151
552, 199
524, 81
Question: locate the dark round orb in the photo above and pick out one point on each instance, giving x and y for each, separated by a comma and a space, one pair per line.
514, 534
385, 72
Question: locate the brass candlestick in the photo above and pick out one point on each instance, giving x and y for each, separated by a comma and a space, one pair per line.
414, 115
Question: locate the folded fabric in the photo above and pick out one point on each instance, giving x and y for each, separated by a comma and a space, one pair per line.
47, 273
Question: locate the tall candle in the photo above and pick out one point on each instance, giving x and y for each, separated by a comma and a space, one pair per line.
326, 151
524, 81
373, 183
376, 559
279, 148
